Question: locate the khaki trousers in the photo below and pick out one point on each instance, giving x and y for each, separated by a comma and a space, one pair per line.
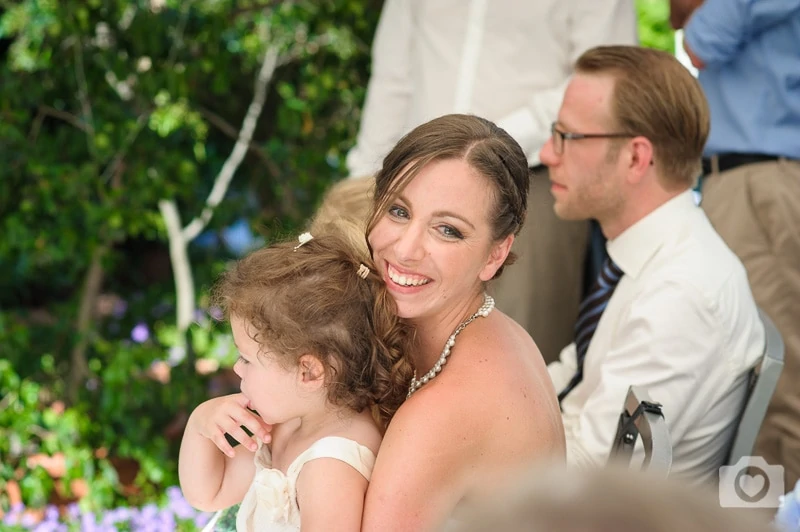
543, 289
756, 210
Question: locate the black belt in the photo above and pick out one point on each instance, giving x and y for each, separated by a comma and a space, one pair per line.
729, 161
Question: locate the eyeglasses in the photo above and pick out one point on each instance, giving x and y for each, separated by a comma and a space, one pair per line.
560, 136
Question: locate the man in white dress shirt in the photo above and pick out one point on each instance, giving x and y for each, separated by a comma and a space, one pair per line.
673, 311
507, 61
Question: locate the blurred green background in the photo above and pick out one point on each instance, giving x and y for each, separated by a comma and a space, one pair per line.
107, 108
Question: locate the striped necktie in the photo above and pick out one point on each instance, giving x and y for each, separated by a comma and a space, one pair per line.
589, 315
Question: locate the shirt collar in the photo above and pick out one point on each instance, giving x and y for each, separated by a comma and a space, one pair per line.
636, 245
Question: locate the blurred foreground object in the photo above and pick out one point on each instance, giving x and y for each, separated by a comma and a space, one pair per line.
600, 500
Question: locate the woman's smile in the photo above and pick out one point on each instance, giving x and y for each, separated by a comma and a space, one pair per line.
405, 279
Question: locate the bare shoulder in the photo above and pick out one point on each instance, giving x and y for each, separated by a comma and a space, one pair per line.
496, 380
425, 465
364, 431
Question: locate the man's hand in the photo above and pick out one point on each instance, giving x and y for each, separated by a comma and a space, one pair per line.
696, 61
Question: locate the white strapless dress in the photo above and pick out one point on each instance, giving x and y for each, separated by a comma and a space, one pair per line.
271, 502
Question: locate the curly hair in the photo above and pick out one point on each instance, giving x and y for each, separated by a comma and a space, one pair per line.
310, 299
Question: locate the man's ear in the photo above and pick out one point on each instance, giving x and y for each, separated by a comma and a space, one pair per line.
310, 370
497, 256
640, 159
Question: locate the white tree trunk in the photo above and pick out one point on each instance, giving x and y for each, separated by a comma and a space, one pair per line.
179, 239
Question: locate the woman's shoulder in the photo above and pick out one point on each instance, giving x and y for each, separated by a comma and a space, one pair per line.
497, 351
495, 382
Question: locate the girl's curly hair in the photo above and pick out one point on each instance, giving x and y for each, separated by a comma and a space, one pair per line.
310, 299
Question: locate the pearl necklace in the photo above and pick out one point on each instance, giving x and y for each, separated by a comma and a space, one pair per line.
416, 384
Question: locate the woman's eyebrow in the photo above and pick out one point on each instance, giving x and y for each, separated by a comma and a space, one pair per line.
448, 214
440, 214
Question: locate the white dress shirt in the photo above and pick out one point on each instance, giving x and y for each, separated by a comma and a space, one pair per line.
682, 324
505, 60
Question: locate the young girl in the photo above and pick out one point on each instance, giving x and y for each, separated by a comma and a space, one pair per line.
323, 369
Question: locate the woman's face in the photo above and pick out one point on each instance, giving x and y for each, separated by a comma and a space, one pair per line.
433, 245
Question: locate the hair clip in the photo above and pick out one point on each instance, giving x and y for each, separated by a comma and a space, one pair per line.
303, 238
363, 271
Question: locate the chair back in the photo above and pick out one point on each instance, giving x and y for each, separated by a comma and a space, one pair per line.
762, 384
642, 417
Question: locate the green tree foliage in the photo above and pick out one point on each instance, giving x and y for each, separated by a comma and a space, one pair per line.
107, 107
654, 28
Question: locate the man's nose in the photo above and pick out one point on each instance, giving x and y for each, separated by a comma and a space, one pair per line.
548, 154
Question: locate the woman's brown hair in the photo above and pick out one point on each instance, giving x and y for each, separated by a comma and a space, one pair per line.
311, 299
488, 149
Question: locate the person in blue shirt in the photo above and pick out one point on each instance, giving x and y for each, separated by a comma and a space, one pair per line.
747, 53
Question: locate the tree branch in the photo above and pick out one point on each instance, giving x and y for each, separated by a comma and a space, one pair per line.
250, 9
297, 50
79, 368
141, 121
71, 119
226, 128
184, 281
83, 97
233, 161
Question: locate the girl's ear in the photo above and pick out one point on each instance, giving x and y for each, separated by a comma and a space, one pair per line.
311, 371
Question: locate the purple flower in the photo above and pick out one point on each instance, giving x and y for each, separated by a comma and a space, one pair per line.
200, 317
166, 520
27, 520
120, 308
117, 515
182, 509
88, 521
216, 313
147, 517
140, 333
51, 513
202, 519
46, 526
176, 354
73, 511
174, 493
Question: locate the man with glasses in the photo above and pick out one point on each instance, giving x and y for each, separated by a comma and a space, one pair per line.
671, 310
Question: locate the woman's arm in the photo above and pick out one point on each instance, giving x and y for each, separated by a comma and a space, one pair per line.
424, 463
214, 475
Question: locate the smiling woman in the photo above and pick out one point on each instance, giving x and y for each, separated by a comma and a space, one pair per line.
449, 200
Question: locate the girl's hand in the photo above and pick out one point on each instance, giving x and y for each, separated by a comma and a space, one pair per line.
228, 414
